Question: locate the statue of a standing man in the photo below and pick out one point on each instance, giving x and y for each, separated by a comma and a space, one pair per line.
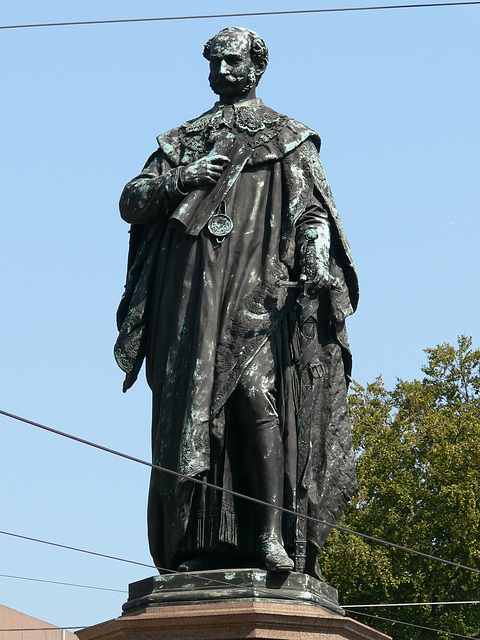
240, 279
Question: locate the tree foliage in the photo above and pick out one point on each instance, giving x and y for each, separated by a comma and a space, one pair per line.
418, 466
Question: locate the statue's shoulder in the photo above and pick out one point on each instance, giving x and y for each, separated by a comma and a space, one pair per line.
169, 144
295, 126
276, 135
294, 133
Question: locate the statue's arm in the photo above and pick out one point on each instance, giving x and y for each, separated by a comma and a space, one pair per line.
313, 239
160, 188
313, 233
152, 193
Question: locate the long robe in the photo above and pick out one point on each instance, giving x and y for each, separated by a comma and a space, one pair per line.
201, 309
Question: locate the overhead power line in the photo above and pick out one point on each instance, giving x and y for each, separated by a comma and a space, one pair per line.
449, 633
44, 629
211, 581
214, 581
410, 604
236, 494
408, 624
222, 583
69, 548
415, 626
455, 635
344, 606
228, 584
241, 15
63, 584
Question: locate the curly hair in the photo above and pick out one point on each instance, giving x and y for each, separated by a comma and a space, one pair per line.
258, 47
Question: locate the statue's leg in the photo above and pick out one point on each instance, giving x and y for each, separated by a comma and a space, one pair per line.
255, 410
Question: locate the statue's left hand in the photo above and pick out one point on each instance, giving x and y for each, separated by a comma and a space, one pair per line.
314, 261
319, 279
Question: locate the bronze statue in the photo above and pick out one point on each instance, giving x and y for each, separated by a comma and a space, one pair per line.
239, 282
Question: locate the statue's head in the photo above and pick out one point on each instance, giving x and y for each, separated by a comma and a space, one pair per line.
238, 58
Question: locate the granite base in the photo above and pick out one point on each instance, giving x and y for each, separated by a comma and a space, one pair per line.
232, 621
231, 605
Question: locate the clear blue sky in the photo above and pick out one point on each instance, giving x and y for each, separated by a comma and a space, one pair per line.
394, 96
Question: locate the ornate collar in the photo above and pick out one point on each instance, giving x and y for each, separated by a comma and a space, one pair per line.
268, 133
249, 116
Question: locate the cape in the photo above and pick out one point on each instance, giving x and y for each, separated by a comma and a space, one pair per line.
271, 136
200, 315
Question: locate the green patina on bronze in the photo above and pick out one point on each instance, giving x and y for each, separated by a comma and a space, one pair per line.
249, 374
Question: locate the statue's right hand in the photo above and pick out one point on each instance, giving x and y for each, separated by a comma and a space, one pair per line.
204, 171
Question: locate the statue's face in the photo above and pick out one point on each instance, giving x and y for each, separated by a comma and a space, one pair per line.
232, 71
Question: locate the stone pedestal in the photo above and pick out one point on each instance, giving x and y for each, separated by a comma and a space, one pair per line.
231, 605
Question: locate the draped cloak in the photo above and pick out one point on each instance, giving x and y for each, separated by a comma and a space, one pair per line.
200, 311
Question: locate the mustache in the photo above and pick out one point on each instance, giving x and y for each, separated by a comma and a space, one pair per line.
220, 83
216, 79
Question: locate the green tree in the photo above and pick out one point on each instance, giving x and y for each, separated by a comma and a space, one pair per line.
418, 465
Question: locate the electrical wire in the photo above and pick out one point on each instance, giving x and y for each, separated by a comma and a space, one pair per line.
215, 581
224, 583
69, 548
344, 606
219, 582
415, 626
410, 604
392, 621
235, 494
171, 18
43, 629
63, 584
110, 557
242, 15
